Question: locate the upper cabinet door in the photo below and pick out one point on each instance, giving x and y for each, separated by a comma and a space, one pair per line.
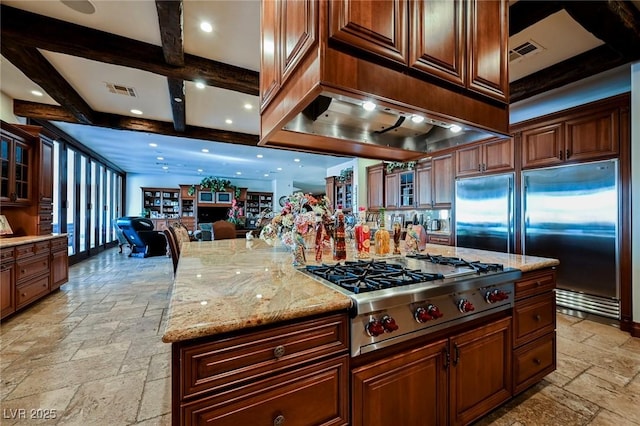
437, 42
370, 26
299, 34
269, 73
488, 36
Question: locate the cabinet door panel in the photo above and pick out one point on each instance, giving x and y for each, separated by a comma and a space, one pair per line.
406, 389
298, 34
498, 156
442, 181
592, 137
269, 73
7, 290
375, 187
424, 181
59, 269
391, 188
481, 373
375, 27
487, 45
46, 172
468, 161
543, 146
437, 43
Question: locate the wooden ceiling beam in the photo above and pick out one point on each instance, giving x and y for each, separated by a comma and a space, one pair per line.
55, 113
36, 67
23, 28
170, 19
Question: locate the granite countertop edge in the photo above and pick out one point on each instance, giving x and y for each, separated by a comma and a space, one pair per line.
7, 242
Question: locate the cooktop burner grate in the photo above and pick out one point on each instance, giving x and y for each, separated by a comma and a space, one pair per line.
458, 262
362, 276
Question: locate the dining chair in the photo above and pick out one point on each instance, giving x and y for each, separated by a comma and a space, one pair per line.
173, 247
223, 230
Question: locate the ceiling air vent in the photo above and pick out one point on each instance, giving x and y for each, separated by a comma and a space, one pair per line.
526, 49
121, 90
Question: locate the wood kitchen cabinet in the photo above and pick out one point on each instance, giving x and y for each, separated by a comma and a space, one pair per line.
7, 282
375, 187
488, 157
340, 193
442, 190
404, 389
295, 373
16, 156
589, 136
424, 186
399, 189
391, 191
449, 381
59, 262
534, 324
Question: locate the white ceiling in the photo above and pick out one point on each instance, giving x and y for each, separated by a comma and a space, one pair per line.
234, 40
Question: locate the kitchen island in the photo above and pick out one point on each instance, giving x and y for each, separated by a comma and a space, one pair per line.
256, 341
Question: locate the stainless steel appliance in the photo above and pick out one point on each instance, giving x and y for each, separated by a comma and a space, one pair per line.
571, 213
484, 214
405, 297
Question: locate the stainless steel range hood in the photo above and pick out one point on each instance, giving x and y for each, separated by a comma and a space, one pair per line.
338, 116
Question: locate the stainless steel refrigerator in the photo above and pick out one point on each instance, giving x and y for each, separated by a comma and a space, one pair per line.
484, 215
571, 213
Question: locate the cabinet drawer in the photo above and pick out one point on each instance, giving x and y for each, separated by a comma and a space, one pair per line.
227, 362
533, 361
439, 239
315, 395
34, 249
32, 267
32, 290
535, 283
7, 254
45, 219
59, 244
534, 317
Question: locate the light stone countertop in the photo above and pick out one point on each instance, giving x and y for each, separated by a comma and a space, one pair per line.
6, 242
229, 285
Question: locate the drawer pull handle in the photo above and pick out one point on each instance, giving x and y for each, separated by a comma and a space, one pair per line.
278, 352
278, 421
538, 283
24, 294
22, 271
537, 361
537, 317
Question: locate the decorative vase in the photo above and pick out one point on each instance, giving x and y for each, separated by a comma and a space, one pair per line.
297, 250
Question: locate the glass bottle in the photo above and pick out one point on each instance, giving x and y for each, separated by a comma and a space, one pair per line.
397, 234
339, 242
363, 235
319, 237
382, 237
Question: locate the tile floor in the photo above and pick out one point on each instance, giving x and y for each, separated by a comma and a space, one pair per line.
92, 352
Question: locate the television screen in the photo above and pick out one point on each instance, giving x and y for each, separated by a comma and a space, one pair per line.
223, 197
205, 197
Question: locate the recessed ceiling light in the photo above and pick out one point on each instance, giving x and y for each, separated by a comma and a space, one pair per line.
455, 128
136, 112
369, 106
153, 144
259, 156
177, 99
266, 175
199, 85
297, 160
206, 27
200, 170
248, 106
279, 168
36, 93
82, 6
417, 119
205, 150
165, 167
238, 173
159, 158
228, 121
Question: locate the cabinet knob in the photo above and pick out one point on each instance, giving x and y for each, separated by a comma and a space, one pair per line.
537, 317
560, 155
278, 421
278, 351
537, 361
568, 154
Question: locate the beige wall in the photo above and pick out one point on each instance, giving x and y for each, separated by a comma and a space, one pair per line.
6, 109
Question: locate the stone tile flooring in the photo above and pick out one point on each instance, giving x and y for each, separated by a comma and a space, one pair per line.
92, 352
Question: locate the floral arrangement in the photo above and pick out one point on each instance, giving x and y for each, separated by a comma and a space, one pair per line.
297, 218
409, 165
235, 213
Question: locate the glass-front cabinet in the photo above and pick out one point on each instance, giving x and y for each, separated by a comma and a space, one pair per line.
15, 157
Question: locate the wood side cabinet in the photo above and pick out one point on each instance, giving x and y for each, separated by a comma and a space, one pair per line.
16, 156
7, 282
375, 187
424, 186
442, 191
489, 157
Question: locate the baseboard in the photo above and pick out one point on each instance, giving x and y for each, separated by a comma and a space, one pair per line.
635, 329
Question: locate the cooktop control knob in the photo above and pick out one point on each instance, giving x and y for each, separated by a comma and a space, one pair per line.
465, 306
374, 328
389, 324
496, 295
434, 312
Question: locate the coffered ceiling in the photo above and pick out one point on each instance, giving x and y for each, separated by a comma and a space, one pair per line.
94, 62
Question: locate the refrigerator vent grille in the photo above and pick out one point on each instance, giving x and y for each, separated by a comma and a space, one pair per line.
602, 306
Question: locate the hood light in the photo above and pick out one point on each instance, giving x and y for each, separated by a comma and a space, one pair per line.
455, 128
417, 119
369, 106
